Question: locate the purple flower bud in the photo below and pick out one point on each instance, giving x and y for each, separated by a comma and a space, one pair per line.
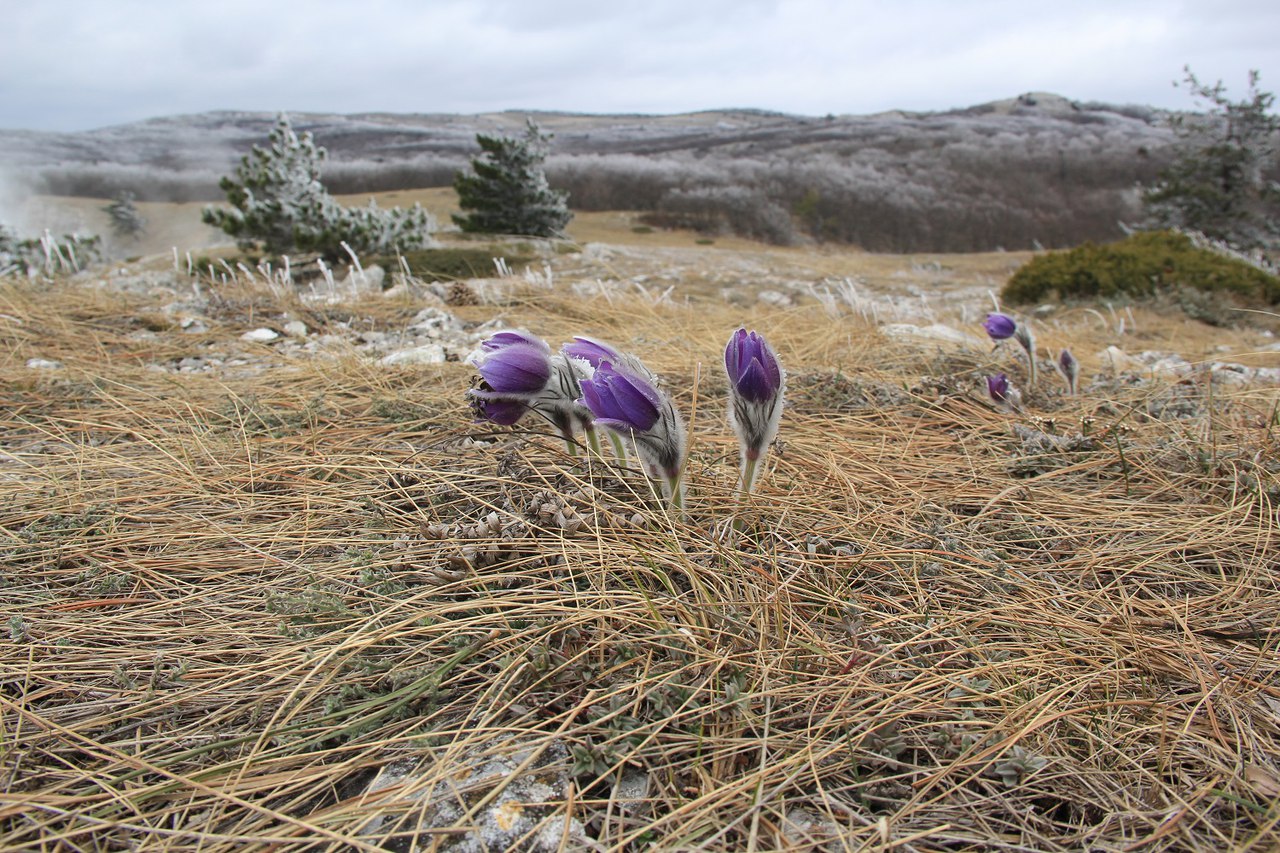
752, 366
516, 373
998, 387
756, 383
1070, 370
1002, 392
1000, 326
513, 362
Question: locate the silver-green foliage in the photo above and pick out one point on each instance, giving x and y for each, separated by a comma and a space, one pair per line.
507, 192
47, 255
278, 202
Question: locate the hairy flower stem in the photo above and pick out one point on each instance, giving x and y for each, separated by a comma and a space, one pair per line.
673, 491
619, 448
593, 439
566, 432
750, 465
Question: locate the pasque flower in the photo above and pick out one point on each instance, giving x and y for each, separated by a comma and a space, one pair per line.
634, 407
1022, 334
1070, 370
999, 326
756, 384
519, 374
1002, 392
515, 368
587, 353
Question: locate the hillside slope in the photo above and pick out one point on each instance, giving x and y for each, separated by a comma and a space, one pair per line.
1037, 168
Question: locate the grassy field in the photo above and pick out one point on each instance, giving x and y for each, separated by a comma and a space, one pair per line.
298, 600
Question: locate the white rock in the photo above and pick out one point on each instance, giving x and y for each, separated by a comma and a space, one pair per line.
1239, 374
774, 298
43, 364
260, 336
296, 329
425, 354
435, 322
932, 332
1119, 360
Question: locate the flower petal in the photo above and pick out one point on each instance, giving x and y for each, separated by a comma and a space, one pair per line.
516, 369
755, 384
513, 337
590, 350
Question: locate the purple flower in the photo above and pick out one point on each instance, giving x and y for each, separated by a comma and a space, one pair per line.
1070, 370
1000, 326
621, 401
631, 405
1002, 392
512, 362
753, 367
517, 368
501, 412
998, 387
518, 374
756, 384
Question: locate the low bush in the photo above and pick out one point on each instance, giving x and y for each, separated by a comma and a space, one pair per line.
1140, 265
451, 264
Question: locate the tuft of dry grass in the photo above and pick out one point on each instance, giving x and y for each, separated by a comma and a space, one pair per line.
304, 603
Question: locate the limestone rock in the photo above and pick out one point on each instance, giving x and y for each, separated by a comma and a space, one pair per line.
425, 354
260, 336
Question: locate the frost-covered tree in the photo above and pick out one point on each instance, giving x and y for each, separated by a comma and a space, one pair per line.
126, 221
278, 202
1222, 182
507, 192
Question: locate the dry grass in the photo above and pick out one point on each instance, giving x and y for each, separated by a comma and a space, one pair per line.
235, 598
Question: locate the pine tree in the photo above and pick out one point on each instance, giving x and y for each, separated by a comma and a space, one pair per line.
279, 202
507, 191
1220, 184
126, 221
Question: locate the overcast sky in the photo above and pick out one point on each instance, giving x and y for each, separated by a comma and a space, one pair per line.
69, 65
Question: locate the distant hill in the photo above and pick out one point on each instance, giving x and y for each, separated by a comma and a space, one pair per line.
1035, 168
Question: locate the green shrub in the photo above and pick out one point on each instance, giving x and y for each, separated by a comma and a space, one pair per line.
1142, 264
